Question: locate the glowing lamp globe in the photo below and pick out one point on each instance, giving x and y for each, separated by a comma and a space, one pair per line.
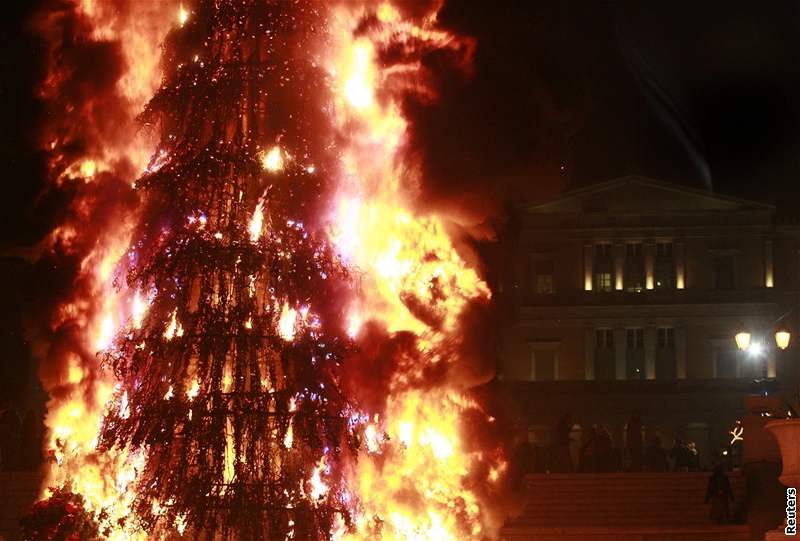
782, 338
743, 340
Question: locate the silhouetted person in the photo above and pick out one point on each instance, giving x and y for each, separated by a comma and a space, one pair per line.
633, 441
719, 494
586, 462
604, 450
694, 456
523, 455
31, 442
656, 457
10, 426
680, 454
560, 460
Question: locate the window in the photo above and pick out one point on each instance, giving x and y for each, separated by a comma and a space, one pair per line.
605, 338
634, 338
666, 338
634, 354
664, 266
727, 362
724, 272
604, 365
543, 276
634, 267
603, 281
665, 353
603, 267
544, 283
544, 365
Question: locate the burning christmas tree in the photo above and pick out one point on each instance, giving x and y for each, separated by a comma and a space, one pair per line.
228, 377
288, 339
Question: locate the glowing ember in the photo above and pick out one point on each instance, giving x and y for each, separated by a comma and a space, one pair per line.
174, 328
192, 392
288, 440
318, 486
286, 324
272, 161
257, 222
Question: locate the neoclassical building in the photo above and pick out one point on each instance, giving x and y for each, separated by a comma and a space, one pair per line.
627, 295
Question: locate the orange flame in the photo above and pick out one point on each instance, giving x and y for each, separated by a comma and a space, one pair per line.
413, 279
417, 490
76, 408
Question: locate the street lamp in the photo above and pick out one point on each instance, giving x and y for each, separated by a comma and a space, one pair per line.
782, 337
742, 339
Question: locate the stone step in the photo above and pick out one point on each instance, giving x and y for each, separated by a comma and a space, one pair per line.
588, 513
633, 501
600, 533
613, 521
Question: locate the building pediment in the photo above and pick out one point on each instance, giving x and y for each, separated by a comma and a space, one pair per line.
638, 195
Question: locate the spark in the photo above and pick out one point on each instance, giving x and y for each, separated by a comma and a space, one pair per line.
272, 161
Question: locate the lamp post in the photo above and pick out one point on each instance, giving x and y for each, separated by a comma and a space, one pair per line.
783, 339
786, 431
745, 343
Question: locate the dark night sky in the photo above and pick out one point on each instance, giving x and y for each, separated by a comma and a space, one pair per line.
579, 84
563, 93
667, 89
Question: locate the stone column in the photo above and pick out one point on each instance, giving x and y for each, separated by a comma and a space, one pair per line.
649, 265
619, 352
680, 353
619, 265
769, 279
650, 352
680, 265
588, 261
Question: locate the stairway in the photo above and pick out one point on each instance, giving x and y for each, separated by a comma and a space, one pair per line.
621, 506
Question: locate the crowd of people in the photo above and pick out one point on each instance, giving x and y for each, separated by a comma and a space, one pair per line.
20, 439
598, 452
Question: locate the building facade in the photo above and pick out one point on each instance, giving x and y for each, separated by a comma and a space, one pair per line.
627, 295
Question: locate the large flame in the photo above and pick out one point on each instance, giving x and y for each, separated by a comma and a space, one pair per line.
412, 481
81, 389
